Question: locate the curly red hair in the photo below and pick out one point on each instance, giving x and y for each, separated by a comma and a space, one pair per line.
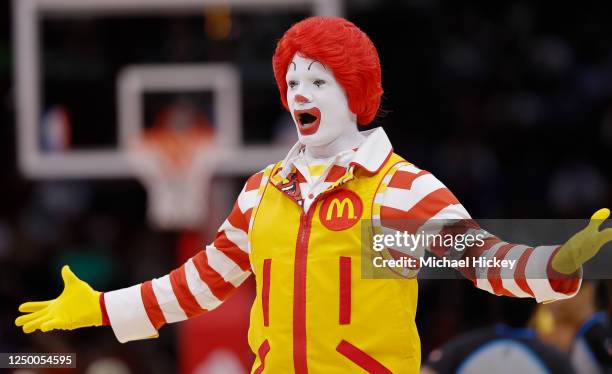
343, 47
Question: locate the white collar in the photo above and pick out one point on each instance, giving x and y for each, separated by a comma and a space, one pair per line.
370, 155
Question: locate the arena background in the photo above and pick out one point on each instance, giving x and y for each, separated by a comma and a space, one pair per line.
509, 104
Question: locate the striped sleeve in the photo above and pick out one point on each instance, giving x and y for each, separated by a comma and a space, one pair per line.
414, 197
199, 285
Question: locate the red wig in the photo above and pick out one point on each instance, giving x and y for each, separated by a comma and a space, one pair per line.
342, 46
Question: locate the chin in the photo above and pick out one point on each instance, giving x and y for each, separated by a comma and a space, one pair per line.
324, 136
313, 139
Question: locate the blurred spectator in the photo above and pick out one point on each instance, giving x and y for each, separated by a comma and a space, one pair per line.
510, 347
587, 318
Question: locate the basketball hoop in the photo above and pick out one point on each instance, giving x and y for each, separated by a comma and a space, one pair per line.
175, 160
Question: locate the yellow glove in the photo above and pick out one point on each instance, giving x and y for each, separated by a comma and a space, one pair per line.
77, 306
583, 245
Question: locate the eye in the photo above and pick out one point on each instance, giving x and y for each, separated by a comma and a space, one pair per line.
318, 82
291, 84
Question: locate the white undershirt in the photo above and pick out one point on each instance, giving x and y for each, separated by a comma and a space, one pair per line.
315, 170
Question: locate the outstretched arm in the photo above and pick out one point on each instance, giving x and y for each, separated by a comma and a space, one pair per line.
584, 245
415, 194
77, 306
137, 312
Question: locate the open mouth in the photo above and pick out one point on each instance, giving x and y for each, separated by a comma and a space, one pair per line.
308, 120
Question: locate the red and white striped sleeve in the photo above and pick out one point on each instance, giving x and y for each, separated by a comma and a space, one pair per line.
199, 285
414, 194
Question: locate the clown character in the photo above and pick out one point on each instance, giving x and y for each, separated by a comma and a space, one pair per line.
297, 228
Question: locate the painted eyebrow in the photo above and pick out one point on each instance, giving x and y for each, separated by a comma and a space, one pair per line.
313, 61
294, 66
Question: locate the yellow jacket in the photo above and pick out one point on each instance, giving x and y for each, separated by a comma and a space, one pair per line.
313, 311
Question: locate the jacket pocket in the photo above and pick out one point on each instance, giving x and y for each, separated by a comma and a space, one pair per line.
362, 359
262, 352
265, 291
345, 291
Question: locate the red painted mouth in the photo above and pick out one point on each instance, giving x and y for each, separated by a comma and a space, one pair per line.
307, 120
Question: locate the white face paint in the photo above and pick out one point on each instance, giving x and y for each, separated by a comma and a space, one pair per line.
317, 102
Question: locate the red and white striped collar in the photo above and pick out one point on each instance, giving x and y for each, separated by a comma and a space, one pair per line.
371, 154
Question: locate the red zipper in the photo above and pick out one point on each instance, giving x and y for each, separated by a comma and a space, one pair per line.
300, 362
299, 292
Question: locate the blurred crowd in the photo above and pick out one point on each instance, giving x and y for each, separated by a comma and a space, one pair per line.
510, 105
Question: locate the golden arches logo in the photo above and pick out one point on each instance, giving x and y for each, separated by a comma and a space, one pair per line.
341, 211
339, 207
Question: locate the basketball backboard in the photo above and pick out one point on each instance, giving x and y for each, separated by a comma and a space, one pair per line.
236, 159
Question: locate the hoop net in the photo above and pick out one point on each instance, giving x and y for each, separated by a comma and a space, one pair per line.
176, 163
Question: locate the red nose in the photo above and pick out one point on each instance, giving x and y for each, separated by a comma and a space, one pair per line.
300, 99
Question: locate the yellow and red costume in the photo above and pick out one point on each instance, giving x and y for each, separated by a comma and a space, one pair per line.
298, 227
313, 311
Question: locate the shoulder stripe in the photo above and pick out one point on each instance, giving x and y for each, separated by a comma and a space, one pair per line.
237, 218
423, 209
404, 199
254, 181
404, 179
232, 251
247, 200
